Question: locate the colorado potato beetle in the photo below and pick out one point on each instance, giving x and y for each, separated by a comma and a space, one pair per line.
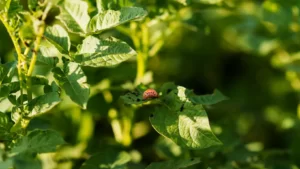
150, 94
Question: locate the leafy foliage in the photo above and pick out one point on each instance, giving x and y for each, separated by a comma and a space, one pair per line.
97, 52
73, 91
74, 82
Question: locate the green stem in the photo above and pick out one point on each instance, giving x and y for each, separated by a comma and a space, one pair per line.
33, 60
19, 53
36, 49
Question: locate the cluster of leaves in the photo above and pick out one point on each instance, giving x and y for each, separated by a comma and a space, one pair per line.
179, 114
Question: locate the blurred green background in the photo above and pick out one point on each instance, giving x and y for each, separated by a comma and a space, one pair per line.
248, 49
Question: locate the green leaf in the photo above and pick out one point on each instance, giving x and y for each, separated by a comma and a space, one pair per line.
51, 88
5, 125
97, 52
172, 164
7, 71
42, 104
10, 7
136, 96
32, 5
183, 2
8, 163
209, 99
47, 54
208, 1
73, 80
59, 37
107, 160
110, 18
27, 161
39, 80
38, 141
7, 88
182, 121
74, 15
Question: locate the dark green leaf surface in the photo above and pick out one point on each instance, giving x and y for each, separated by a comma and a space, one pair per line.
73, 80
5, 124
74, 15
32, 4
39, 80
59, 37
97, 52
208, 99
12, 8
107, 160
7, 88
27, 161
38, 141
110, 18
7, 70
172, 164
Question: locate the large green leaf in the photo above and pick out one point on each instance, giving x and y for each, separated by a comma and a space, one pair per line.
107, 160
59, 37
73, 80
97, 52
38, 141
181, 120
110, 18
42, 104
208, 99
172, 164
27, 161
74, 15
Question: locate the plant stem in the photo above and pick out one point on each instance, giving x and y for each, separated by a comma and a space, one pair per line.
19, 53
36, 49
33, 60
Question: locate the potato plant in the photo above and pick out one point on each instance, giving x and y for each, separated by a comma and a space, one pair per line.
55, 43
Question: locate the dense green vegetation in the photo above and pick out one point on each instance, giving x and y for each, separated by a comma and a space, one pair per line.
74, 73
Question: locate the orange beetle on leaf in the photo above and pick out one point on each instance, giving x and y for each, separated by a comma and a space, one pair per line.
149, 94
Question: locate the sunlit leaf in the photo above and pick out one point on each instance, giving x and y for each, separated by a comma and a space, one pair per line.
74, 15
181, 120
107, 160
58, 37
73, 80
188, 128
42, 104
97, 52
47, 54
172, 164
38, 141
183, 2
208, 1
110, 18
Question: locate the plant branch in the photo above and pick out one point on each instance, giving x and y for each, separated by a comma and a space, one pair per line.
21, 59
37, 43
